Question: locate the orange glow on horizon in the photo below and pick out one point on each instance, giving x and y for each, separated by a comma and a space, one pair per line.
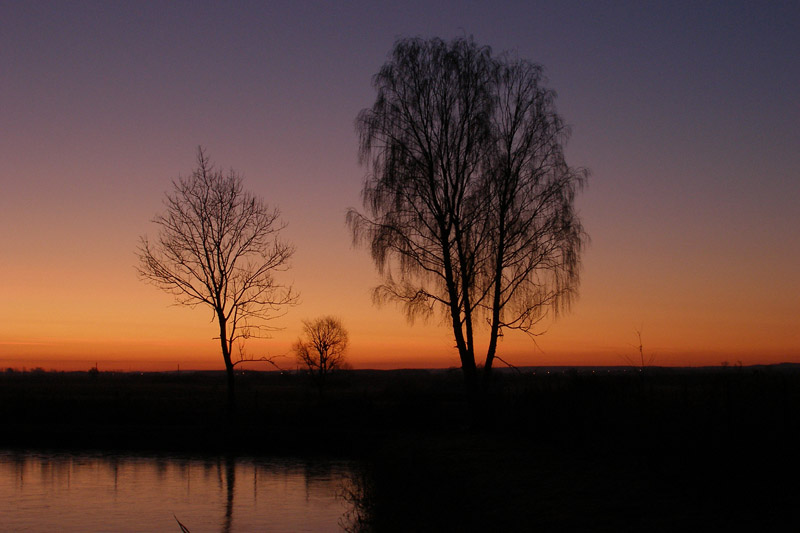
693, 237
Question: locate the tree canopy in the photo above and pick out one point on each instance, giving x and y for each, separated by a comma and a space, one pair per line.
321, 349
469, 201
219, 246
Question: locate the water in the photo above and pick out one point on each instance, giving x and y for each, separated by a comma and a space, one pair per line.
124, 493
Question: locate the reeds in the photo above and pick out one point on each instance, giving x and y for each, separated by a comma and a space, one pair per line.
184, 529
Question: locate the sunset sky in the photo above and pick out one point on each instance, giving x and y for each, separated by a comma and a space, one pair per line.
686, 113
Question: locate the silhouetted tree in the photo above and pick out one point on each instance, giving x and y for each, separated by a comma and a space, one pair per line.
470, 202
641, 362
218, 246
321, 348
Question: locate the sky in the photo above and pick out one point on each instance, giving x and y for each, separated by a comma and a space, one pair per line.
686, 114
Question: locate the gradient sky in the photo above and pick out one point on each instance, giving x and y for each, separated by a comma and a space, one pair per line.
687, 114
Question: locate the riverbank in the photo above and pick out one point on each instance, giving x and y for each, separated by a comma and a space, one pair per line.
187, 412
566, 450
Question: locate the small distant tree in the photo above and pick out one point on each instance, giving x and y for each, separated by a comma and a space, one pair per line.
321, 348
219, 246
641, 361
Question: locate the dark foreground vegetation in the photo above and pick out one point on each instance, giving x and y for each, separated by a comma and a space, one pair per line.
572, 449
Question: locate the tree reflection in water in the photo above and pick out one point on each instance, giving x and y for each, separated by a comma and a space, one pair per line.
82, 492
230, 485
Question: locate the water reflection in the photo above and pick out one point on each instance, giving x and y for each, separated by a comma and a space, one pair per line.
230, 486
70, 493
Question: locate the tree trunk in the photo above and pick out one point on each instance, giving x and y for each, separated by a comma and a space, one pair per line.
231, 387
494, 332
464, 345
473, 390
226, 356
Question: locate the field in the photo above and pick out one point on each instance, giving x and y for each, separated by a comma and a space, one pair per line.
556, 449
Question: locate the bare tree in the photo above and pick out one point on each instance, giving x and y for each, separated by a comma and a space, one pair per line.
642, 361
321, 349
219, 246
469, 202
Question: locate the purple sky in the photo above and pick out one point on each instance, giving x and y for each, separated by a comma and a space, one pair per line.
686, 113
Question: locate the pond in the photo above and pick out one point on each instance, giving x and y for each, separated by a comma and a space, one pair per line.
128, 493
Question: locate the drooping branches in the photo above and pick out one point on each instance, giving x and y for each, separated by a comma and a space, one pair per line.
536, 236
469, 205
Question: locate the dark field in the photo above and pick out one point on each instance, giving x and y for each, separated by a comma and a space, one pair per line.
566, 450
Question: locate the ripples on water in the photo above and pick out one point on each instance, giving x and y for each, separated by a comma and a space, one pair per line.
123, 493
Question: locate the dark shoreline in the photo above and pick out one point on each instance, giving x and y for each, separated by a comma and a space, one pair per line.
567, 450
